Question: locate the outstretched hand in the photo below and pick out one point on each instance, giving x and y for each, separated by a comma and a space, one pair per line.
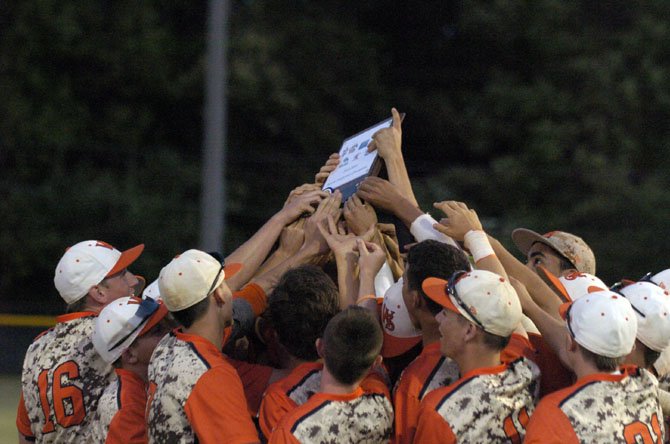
359, 215
330, 165
379, 192
388, 141
301, 203
460, 219
371, 257
329, 207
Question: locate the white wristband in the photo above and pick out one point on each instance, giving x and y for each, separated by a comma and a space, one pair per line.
478, 244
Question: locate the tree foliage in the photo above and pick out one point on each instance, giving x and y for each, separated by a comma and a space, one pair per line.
546, 114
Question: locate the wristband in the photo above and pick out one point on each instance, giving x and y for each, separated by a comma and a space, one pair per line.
477, 242
365, 298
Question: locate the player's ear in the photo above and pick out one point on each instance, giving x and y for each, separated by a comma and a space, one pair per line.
470, 331
319, 348
378, 361
97, 293
129, 356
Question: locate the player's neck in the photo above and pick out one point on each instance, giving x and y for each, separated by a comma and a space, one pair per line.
209, 327
636, 356
330, 385
430, 329
476, 359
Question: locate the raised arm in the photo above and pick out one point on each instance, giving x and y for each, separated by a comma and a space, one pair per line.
541, 293
388, 143
254, 251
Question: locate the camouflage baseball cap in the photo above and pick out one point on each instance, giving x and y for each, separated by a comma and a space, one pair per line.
571, 247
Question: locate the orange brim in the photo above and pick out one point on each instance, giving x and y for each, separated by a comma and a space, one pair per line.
436, 290
127, 257
394, 346
229, 270
555, 283
155, 318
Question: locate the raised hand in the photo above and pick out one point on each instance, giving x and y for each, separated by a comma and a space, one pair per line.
379, 192
388, 141
371, 257
332, 163
460, 219
359, 215
292, 237
329, 207
300, 203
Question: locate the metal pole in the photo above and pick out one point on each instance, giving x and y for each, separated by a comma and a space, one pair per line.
213, 196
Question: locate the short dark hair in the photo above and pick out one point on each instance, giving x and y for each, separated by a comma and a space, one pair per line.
351, 343
602, 363
78, 305
650, 356
188, 316
299, 309
431, 258
494, 342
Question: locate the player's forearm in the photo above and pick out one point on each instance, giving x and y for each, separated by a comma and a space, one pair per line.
539, 291
552, 330
397, 172
346, 279
405, 210
254, 251
269, 279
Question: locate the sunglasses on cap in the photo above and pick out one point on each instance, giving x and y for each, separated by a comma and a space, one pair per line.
146, 308
451, 290
222, 261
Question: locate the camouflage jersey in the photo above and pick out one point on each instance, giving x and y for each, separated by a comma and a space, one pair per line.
358, 417
120, 415
195, 395
62, 380
601, 408
490, 405
429, 371
286, 394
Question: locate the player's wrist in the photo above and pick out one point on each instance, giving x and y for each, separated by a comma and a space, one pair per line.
477, 242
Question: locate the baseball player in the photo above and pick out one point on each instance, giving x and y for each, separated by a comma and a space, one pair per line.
491, 402
299, 309
607, 403
342, 411
430, 370
194, 393
63, 376
558, 251
126, 333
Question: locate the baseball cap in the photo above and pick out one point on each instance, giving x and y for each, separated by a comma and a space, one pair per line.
573, 285
571, 247
87, 263
152, 291
121, 322
484, 298
190, 277
662, 279
651, 304
602, 322
400, 335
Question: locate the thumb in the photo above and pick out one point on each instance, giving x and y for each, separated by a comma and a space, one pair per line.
397, 119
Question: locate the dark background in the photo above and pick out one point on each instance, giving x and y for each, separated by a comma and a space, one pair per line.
543, 114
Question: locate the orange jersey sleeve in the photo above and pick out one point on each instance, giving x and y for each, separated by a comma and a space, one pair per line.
273, 408
218, 412
129, 424
432, 428
517, 347
548, 424
22, 420
255, 379
255, 295
282, 435
553, 374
